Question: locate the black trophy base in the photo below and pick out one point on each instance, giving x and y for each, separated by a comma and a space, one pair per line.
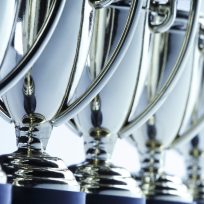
152, 201
22, 195
5, 194
108, 199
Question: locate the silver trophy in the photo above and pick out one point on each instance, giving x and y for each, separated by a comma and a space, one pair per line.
45, 96
192, 151
107, 115
9, 28
161, 129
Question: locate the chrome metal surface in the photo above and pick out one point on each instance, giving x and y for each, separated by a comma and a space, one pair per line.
156, 184
160, 130
110, 66
47, 91
160, 97
195, 165
11, 77
27, 102
193, 151
8, 9
162, 15
198, 119
105, 178
101, 122
94, 122
101, 3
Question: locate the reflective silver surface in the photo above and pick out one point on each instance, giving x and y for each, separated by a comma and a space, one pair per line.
193, 150
38, 98
97, 174
162, 128
170, 84
45, 97
11, 29
101, 122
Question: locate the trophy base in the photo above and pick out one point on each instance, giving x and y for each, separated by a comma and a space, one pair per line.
5, 194
24, 195
100, 177
166, 188
108, 199
37, 169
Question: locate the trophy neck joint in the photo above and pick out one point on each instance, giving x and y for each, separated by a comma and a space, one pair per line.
33, 137
99, 145
195, 174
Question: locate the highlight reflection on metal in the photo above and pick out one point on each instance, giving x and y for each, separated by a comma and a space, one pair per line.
10, 19
102, 121
162, 95
36, 101
198, 124
27, 101
159, 132
10, 29
96, 174
193, 151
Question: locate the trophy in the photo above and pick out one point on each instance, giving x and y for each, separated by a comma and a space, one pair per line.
107, 115
45, 96
161, 129
10, 23
192, 151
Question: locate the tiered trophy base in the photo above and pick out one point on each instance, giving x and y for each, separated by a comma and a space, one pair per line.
158, 186
101, 177
37, 169
168, 189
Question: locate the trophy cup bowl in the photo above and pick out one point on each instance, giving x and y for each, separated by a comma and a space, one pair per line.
45, 96
162, 128
11, 20
101, 122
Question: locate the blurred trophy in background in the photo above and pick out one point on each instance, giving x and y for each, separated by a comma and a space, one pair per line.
44, 97
158, 48
162, 128
192, 151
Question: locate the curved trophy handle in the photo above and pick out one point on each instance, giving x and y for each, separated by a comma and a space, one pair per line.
198, 123
173, 78
189, 134
170, 12
34, 52
108, 70
101, 3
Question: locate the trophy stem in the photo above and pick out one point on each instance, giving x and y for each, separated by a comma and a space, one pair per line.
99, 145
97, 174
30, 165
151, 168
157, 184
195, 174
